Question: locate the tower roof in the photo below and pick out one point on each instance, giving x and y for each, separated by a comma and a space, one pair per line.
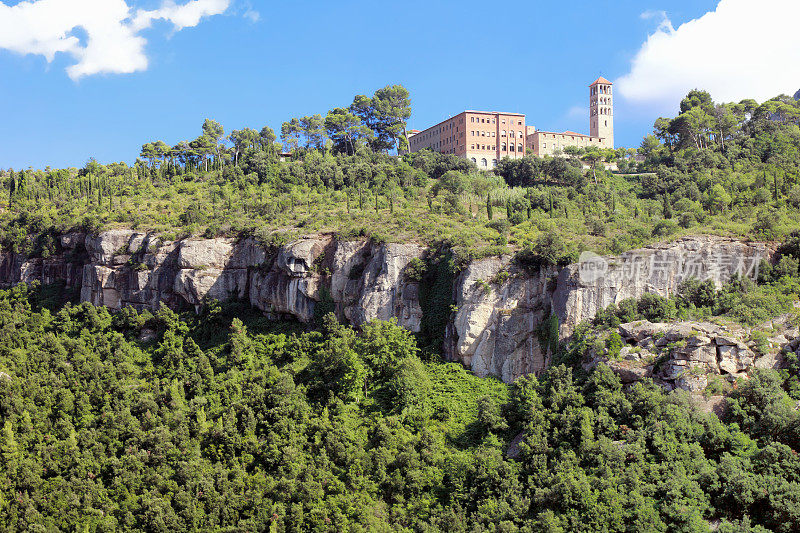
602, 80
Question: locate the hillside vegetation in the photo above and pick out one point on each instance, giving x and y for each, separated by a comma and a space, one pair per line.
225, 421
728, 169
198, 423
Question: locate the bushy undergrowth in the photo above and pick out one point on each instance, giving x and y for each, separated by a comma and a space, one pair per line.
224, 421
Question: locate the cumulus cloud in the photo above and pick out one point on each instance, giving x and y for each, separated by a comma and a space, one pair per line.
110, 40
742, 49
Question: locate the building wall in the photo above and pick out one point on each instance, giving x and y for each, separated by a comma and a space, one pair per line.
487, 137
544, 143
483, 137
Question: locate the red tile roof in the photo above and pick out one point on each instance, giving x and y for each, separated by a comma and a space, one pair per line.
601, 79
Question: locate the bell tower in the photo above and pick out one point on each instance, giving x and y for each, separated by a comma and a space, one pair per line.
601, 111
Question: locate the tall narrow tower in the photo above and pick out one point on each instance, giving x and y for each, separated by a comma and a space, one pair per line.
601, 111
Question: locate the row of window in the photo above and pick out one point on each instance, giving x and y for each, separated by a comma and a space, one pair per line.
600, 89
601, 111
484, 163
511, 133
480, 120
503, 147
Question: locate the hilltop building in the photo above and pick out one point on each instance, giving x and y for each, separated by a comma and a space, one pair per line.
485, 137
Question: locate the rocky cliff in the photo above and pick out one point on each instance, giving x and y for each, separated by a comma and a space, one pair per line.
502, 307
688, 355
360, 280
503, 311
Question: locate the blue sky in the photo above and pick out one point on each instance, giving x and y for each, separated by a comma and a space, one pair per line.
260, 63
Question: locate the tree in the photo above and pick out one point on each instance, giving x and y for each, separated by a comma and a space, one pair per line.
385, 114
313, 128
290, 134
592, 155
345, 129
267, 139
214, 132
718, 199
242, 140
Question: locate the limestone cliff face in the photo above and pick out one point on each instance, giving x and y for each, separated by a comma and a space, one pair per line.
581, 291
361, 280
501, 308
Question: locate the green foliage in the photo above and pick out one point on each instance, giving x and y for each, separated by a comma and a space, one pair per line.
223, 423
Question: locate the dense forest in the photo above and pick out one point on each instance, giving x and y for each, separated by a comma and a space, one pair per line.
160, 422
225, 421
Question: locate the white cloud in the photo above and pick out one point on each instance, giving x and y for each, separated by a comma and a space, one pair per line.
252, 15
743, 49
112, 43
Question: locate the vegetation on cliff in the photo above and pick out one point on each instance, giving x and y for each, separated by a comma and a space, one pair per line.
715, 168
160, 422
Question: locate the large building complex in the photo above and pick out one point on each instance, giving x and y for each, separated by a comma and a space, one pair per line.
486, 137
482, 136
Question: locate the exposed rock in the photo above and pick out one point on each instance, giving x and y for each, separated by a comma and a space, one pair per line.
500, 327
659, 269
695, 351
494, 331
629, 372
734, 358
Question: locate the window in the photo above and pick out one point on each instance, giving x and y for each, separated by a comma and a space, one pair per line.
472, 119
544, 146
504, 147
519, 148
494, 162
503, 133
512, 147
474, 161
483, 162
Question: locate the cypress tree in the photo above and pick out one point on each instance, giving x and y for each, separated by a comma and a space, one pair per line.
667, 207
489, 212
775, 177
508, 209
